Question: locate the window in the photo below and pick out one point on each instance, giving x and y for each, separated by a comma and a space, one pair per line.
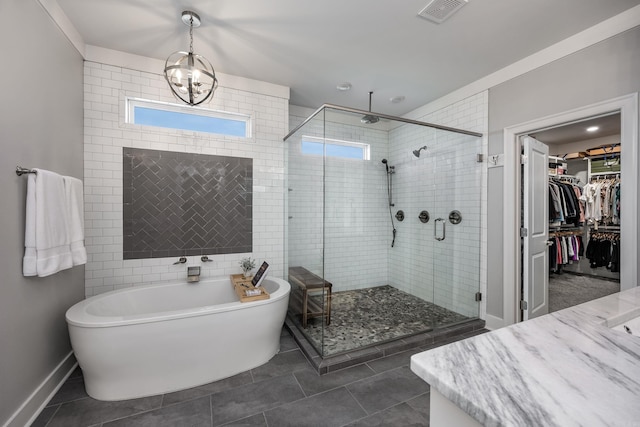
174, 116
334, 148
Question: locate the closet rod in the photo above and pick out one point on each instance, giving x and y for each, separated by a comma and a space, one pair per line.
605, 173
605, 228
564, 177
21, 171
560, 233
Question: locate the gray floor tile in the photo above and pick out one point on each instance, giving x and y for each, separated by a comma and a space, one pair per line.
77, 373
207, 389
194, 413
333, 408
422, 404
251, 399
44, 416
254, 421
387, 389
399, 415
72, 389
392, 362
88, 411
280, 364
287, 343
312, 383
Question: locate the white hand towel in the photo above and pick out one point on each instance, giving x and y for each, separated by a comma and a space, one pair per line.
75, 214
29, 261
46, 228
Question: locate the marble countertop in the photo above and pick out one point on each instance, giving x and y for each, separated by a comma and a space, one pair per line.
566, 368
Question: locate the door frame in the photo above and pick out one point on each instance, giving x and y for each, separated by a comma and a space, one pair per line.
628, 107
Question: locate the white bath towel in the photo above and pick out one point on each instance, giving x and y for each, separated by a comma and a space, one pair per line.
75, 216
47, 245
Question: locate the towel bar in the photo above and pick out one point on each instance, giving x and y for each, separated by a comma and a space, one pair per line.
21, 171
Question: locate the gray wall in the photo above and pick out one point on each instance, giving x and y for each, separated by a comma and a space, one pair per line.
40, 126
603, 71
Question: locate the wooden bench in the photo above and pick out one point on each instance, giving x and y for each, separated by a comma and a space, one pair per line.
310, 283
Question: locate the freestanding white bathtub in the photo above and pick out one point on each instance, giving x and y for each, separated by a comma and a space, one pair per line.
157, 339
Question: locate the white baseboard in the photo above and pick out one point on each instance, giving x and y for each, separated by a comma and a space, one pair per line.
36, 402
493, 322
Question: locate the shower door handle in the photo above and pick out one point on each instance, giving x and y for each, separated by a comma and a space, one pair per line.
435, 229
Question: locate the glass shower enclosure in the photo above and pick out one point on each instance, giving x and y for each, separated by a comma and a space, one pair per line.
383, 227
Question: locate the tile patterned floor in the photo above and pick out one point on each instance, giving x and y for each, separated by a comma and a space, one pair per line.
362, 318
284, 392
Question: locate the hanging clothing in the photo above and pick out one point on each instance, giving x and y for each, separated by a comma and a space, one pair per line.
615, 204
602, 201
565, 205
564, 250
603, 250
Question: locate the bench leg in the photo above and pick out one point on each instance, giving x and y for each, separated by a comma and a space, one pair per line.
328, 308
304, 308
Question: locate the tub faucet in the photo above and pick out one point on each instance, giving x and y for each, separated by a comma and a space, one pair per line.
193, 274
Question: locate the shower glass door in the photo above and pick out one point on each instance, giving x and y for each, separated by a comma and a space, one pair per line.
456, 178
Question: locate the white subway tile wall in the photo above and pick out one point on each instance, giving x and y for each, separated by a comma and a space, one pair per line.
444, 178
106, 89
349, 226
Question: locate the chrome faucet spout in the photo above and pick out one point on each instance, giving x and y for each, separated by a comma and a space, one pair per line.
193, 274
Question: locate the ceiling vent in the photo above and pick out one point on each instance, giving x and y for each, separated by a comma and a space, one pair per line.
439, 11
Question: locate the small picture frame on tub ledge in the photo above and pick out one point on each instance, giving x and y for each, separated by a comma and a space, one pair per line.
260, 274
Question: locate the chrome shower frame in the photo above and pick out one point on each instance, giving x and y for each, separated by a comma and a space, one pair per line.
380, 115
315, 241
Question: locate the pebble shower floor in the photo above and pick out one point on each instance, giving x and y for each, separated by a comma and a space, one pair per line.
370, 316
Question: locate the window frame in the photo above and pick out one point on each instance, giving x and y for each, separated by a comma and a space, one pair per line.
133, 102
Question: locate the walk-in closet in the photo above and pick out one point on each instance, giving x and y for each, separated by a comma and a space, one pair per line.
584, 210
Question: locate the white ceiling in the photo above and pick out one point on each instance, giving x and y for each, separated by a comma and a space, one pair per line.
607, 126
378, 45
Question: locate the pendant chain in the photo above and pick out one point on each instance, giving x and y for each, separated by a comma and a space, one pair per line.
191, 35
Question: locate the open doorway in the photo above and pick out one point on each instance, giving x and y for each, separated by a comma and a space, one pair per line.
627, 106
584, 203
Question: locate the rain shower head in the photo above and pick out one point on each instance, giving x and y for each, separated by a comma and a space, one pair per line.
417, 152
370, 118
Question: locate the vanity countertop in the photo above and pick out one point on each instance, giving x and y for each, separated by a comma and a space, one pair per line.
566, 368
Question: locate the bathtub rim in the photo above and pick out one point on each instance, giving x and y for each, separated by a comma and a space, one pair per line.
77, 315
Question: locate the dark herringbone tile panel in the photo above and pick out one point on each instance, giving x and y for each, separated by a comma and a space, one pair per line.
185, 204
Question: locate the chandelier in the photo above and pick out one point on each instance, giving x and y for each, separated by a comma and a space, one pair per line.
191, 77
